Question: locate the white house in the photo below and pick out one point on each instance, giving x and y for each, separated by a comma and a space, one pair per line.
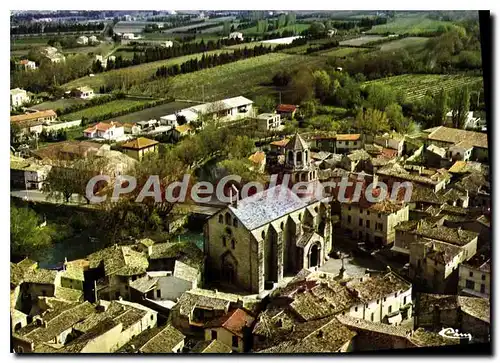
82, 40
26, 65
269, 121
461, 151
236, 35
167, 44
108, 131
93, 39
18, 97
85, 92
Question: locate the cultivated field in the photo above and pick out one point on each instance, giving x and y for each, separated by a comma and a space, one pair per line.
249, 45
140, 72
113, 106
239, 78
361, 40
408, 42
416, 86
152, 113
340, 52
299, 27
409, 25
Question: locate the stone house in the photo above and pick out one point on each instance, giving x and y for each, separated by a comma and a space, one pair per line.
261, 238
211, 346
475, 277
165, 339
232, 329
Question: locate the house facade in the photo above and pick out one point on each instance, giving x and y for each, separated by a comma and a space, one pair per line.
103, 130
140, 147
268, 121
26, 65
18, 97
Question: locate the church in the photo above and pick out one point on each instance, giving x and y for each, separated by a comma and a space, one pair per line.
256, 241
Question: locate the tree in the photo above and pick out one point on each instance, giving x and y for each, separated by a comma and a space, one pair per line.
265, 103
322, 84
26, 237
302, 86
281, 21
371, 121
440, 107
317, 29
380, 96
243, 168
395, 116
460, 103
308, 108
226, 28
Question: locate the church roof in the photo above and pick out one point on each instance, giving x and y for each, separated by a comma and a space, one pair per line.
266, 206
297, 143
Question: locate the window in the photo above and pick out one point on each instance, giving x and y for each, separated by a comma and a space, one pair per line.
396, 294
349, 219
214, 334
228, 218
483, 288
373, 316
378, 301
264, 234
367, 224
390, 309
235, 341
233, 244
379, 215
483, 277
151, 317
349, 208
224, 241
385, 299
158, 294
356, 309
471, 274
361, 222
469, 284
235, 223
221, 219
367, 212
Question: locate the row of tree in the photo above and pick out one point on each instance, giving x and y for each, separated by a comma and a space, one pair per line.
59, 27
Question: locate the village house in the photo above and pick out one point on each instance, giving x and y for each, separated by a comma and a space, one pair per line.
53, 54
236, 35
434, 179
391, 141
182, 131
27, 173
233, 329
93, 40
26, 65
85, 92
269, 122
82, 40
140, 147
197, 307
131, 128
18, 97
211, 347
258, 160
471, 122
466, 314
106, 131
255, 241
165, 339
475, 277
163, 256
459, 142
373, 223
345, 143
356, 160
34, 121
104, 60
286, 111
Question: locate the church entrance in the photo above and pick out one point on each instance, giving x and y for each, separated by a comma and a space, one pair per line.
228, 272
314, 256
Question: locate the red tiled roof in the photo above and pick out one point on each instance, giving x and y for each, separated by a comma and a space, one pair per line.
348, 137
286, 108
102, 126
389, 153
234, 321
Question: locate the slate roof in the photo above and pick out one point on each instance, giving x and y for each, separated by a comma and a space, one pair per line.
41, 276
204, 298
266, 206
211, 346
476, 307
163, 342
144, 284
186, 252
377, 286
119, 260
297, 143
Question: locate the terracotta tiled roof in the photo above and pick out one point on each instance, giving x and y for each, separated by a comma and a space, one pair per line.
102, 126
280, 143
257, 157
234, 321
348, 137
454, 136
139, 143
33, 116
286, 108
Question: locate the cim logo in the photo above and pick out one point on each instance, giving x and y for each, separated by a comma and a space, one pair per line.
454, 334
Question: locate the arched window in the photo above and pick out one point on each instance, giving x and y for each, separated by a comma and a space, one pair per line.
290, 157
263, 235
282, 225
228, 231
221, 218
228, 218
224, 241
233, 244
235, 223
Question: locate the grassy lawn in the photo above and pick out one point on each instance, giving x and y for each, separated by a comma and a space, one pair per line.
59, 104
140, 73
409, 25
244, 77
409, 42
152, 113
28, 41
113, 106
103, 48
126, 54
361, 40
417, 85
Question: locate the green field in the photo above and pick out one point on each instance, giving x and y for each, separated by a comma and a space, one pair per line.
299, 27
416, 86
409, 25
59, 104
408, 42
113, 106
362, 40
125, 54
341, 52
244, 77
249, 45
140, 73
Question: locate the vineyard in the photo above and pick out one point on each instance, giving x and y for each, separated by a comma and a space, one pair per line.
239, 78
409, 25
417, 85
138, 73
106, 108
341, 52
